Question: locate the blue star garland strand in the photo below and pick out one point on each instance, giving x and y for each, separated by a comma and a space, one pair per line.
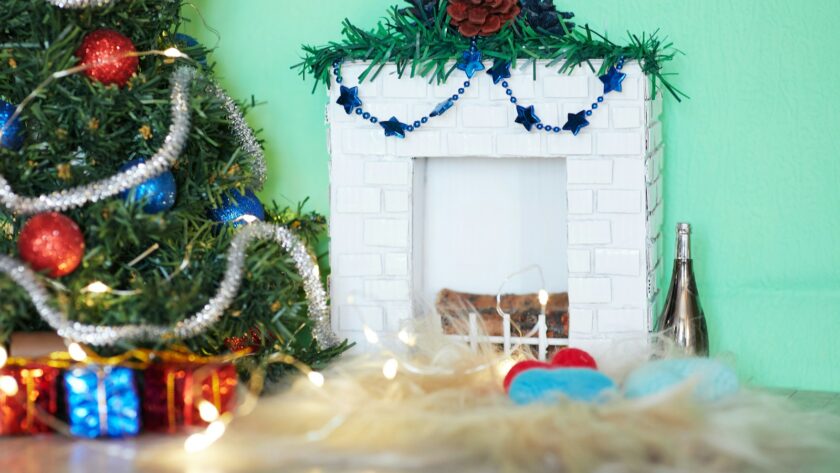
442, 107
471, 63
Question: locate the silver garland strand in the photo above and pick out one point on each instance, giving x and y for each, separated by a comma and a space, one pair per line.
244, 135
162, 160
79, 4
96, 335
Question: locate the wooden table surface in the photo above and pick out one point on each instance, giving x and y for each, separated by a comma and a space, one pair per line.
147, 453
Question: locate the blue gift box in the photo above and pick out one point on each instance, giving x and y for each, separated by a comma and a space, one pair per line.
102, 401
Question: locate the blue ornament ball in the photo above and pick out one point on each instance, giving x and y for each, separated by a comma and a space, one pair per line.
12, 133
158, 193
712, 379
190, 43
549, 385
237, 205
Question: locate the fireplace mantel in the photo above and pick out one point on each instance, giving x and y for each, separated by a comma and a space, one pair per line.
613, 191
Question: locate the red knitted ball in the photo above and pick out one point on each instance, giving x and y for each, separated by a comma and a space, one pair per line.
105, 51
573, 358
51, 241
520, 367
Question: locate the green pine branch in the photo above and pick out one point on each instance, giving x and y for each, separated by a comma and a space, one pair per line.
418, 50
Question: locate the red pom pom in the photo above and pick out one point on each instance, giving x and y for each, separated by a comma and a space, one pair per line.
105, 51
520, 367
573, 358
51, 241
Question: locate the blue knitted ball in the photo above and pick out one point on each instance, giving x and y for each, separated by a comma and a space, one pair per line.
549, 385
712, 380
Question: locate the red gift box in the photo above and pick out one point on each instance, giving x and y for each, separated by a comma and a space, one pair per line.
34, 390
174, 392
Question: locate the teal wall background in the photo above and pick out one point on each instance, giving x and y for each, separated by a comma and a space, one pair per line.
752, 159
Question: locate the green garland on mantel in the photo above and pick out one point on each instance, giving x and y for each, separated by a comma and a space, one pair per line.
430, 51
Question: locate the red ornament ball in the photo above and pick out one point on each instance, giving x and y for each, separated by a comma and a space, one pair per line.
105, 52
574, 358
52, 241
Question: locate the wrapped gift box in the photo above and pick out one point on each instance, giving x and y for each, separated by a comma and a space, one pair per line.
27, 393
174, 391
102, 401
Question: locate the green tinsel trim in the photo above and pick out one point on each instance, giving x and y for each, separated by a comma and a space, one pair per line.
430, 51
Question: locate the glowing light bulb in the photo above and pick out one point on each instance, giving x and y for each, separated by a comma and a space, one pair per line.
543, 297
316, 378
76, 352
8, 385
207, 411
97, 287
371, 336
215, 430
4, 356
407, 337
196, 443
247, 218
390, 368
173, 53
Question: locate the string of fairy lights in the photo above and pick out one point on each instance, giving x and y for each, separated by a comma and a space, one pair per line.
393, 364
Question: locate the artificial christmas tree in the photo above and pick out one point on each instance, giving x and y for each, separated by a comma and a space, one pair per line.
130, 137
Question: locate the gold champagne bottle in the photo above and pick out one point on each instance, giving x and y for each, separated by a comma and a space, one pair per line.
682, 320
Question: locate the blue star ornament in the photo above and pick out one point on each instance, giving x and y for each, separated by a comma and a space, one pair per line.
394, 127
612, 80
470, 63
576, 122
500, 70
526, 116
349, 99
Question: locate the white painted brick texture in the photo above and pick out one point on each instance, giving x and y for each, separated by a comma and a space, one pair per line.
613, 190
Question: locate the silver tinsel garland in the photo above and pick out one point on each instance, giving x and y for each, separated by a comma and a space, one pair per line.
162, 160
79, 4
244, 135
100, 335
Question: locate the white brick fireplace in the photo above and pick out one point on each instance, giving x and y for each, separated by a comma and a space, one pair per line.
611, 246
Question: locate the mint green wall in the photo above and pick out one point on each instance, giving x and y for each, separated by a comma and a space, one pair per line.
751, 160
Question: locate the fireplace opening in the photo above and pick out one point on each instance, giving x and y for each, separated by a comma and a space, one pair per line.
478, 221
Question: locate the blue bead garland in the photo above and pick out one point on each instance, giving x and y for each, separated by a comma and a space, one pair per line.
470, 64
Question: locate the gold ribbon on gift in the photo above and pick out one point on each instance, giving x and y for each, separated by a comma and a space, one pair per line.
138, 358
189, 393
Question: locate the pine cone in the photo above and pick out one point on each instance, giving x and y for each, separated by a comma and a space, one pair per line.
481, 17
542, 15
424, 10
